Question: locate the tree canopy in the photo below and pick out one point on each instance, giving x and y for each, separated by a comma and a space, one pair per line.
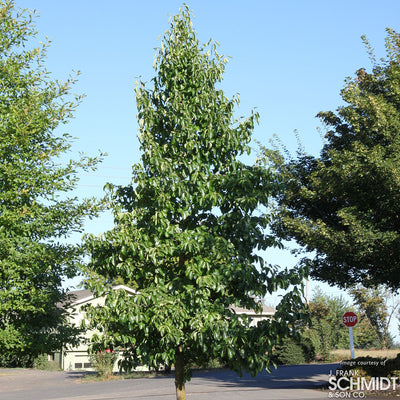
343, 206
36, 213
191, 227
376, 306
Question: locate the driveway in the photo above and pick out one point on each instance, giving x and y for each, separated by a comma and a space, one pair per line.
287, 382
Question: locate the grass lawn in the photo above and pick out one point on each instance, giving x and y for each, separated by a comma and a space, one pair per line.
344, 354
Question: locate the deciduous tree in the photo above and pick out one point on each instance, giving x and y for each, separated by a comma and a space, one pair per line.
36, 210
326, 329
343, 207
190, 227
377, 306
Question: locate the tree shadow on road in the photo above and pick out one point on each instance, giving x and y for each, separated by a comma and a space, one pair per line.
293, 376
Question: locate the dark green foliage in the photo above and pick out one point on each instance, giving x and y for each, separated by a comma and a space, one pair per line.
364, 335
376, 311
316, 338
344, 206
374, 367
13, 360
42, 362
326, 330
308, 347
292, 352
189, 226
322, 336
36, 214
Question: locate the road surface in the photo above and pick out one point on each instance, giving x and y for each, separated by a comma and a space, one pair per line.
287, 382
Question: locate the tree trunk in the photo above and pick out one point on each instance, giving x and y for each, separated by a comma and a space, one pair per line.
180, 374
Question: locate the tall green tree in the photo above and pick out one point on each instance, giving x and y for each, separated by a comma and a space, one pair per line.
377, 306
189, 227
36, 213
326, 329
343, 207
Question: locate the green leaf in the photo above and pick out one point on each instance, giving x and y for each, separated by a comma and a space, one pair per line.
194, 222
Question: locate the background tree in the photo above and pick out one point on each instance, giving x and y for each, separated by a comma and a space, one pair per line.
189, 226
326, 330
374, 307
35, 212
344, 205
398, 318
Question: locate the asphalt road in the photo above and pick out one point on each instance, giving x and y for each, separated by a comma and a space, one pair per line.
288, 382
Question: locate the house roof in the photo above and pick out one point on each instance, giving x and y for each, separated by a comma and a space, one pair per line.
266, 310
84, 295
77, 295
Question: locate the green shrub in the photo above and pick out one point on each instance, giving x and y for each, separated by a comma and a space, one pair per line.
15, 361
289, 352
308, 348
373, 366
103, 362
41, 362
321, 336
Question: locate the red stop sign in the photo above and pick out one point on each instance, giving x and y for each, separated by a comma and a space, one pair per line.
349, 318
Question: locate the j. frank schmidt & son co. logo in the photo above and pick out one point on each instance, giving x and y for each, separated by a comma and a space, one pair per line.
349, 384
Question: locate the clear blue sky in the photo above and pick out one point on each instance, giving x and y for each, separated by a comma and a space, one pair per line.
289, 59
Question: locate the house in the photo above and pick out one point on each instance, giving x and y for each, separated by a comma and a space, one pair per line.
77, 358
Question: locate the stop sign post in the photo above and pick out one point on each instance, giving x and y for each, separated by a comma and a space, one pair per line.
350, 319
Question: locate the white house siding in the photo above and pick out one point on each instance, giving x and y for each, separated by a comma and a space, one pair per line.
77, 358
